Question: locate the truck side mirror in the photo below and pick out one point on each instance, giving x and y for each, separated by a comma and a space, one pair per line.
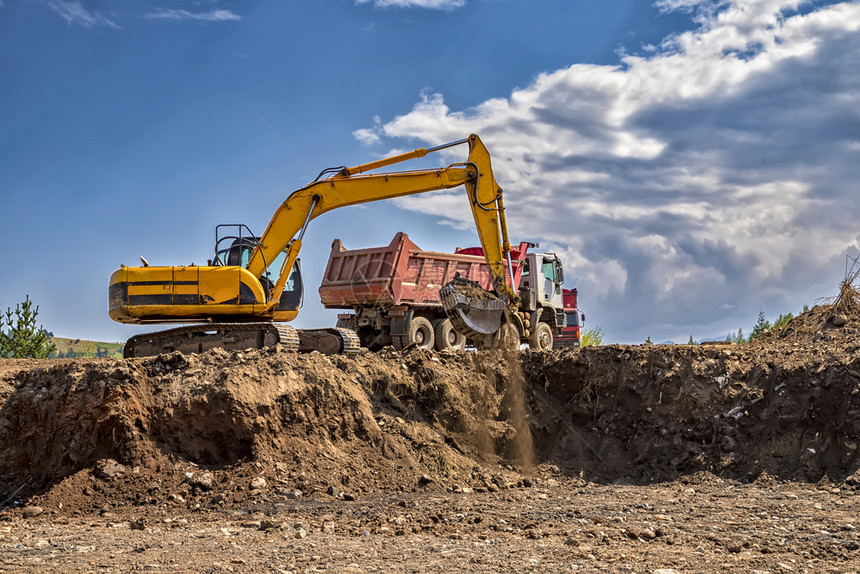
560, 273
583, 317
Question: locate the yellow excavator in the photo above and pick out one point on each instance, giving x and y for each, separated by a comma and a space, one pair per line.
237, 301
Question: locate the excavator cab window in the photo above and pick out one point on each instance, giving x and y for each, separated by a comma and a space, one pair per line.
292, 296
240, 252
294, 292
234, 247
237, 254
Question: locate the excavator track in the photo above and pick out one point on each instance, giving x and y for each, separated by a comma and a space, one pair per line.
240, 336
329, 341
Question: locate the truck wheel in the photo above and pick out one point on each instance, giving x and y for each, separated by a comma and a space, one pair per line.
421, 333
447, 337
541, 337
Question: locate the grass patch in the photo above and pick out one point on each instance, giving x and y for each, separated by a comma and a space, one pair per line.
71, 348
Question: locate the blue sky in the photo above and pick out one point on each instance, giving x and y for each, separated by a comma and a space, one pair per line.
693, 160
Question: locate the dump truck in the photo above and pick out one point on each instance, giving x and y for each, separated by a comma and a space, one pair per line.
393, 292
571, 334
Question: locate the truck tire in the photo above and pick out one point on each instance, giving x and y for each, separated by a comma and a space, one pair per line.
541, 338
447, 337
421, 333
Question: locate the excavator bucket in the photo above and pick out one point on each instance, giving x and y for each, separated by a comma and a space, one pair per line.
473, 311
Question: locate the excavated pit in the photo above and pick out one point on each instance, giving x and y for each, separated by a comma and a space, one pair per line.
786, 405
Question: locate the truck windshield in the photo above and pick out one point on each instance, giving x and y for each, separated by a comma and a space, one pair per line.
549, 270
572, 318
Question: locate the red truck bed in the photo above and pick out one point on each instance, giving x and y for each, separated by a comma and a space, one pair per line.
400, 274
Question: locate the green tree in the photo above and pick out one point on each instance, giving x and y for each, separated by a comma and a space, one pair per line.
691, 341
24, 339
592, 337
782, 320
761, 325
648, 341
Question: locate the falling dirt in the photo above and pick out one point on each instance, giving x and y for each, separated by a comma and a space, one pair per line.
522, 446
646, 458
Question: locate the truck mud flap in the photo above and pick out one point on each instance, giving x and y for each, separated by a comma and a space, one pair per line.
400, 325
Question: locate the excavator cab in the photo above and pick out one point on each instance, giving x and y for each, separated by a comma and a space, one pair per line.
234, 244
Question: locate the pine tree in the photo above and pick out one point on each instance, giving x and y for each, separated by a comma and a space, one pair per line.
648, 341
761, 325
691, 341
23, 338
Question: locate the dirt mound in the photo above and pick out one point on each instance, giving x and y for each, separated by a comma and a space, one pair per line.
366, 423
180, 429
786, 404
833, 327
649, 414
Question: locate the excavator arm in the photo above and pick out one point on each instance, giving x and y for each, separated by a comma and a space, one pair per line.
352, 186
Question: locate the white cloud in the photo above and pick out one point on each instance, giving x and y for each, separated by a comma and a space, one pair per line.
73, 12
173, 15
369, 136
432, 4
366, 136
706, 178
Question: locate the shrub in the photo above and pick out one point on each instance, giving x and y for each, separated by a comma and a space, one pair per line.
592, 337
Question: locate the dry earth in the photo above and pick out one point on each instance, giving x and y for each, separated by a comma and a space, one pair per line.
646, 458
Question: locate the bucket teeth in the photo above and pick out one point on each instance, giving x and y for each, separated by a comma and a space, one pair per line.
473, 311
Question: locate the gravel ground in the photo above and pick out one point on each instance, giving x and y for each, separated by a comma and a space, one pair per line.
696, 524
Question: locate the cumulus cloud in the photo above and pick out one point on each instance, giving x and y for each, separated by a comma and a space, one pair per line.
74, 13
172, 15
369, 136
688, 185
432, 4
